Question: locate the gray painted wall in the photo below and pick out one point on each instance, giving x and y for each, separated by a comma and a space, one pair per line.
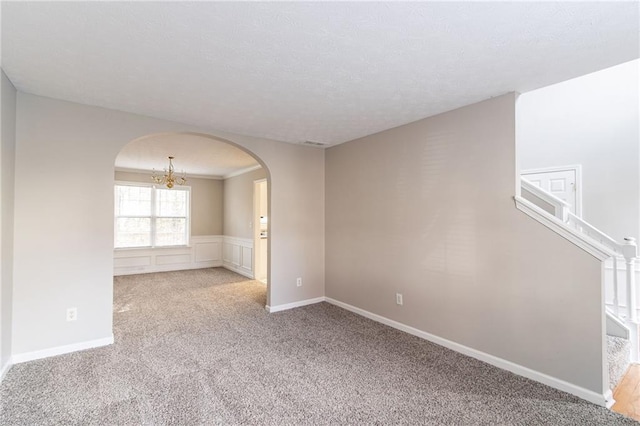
7, 162
206, 201
65, 257
593, 121
427, 210
238, 204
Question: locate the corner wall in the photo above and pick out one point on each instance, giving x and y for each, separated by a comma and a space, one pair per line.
238, 204
427, 210
7, 167
64, 232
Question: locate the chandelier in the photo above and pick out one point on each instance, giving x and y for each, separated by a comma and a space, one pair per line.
169, 178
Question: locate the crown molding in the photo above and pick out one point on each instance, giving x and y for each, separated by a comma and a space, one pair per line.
242, 171
189, 175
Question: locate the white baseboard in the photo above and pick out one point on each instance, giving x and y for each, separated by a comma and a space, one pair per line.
5, 369
591, 396
278, 308
240, 271
166, 268
59, 350
608, 399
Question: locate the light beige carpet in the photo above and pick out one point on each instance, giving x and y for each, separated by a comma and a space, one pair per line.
197, 347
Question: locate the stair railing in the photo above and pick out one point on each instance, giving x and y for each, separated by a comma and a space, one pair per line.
627, 250
553, 205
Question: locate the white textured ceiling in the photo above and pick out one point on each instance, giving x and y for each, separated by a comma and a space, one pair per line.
326, 72
195, 155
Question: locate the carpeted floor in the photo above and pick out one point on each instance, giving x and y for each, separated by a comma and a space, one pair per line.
197, 347
618, 357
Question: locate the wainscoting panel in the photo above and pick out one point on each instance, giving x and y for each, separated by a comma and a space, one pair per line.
207, 251
204, 252
132, 262
235, 254
238, 255
247, 259
173, 259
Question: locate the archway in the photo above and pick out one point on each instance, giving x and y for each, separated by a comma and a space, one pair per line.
217, 228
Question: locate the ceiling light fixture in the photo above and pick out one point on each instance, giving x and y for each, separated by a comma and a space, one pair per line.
168, 178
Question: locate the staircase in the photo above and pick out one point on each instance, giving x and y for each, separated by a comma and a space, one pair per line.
619, 277
618, 357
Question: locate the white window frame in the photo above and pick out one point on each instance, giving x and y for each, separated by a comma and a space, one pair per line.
154, 216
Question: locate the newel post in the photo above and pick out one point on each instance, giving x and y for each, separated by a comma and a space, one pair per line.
630, 252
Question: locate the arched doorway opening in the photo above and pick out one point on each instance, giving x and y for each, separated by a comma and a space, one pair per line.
209, 221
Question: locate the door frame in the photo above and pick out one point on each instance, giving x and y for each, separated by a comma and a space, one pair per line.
256, 226
576, 168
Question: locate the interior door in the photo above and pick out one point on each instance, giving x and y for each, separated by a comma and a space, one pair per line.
560, 183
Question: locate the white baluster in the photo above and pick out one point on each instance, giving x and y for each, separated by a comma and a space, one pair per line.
616, 303
564, 213
630, 252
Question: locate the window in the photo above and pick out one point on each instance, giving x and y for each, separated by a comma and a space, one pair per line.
147, 216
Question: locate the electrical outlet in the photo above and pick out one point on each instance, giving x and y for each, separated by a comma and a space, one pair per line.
72, 314
299, 282
398, 298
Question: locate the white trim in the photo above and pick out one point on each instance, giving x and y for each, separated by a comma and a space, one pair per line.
243, 248
59, 350
194, 175
591, 396
592, 247
5, 369
577, 168
242, 171
153, 216
615, 326
286, 306
257, 230
164, 259
608, 264
541, 193
608, 399
238, 271
149, 172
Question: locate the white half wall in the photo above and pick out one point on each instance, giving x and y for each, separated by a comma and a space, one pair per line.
64, 234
